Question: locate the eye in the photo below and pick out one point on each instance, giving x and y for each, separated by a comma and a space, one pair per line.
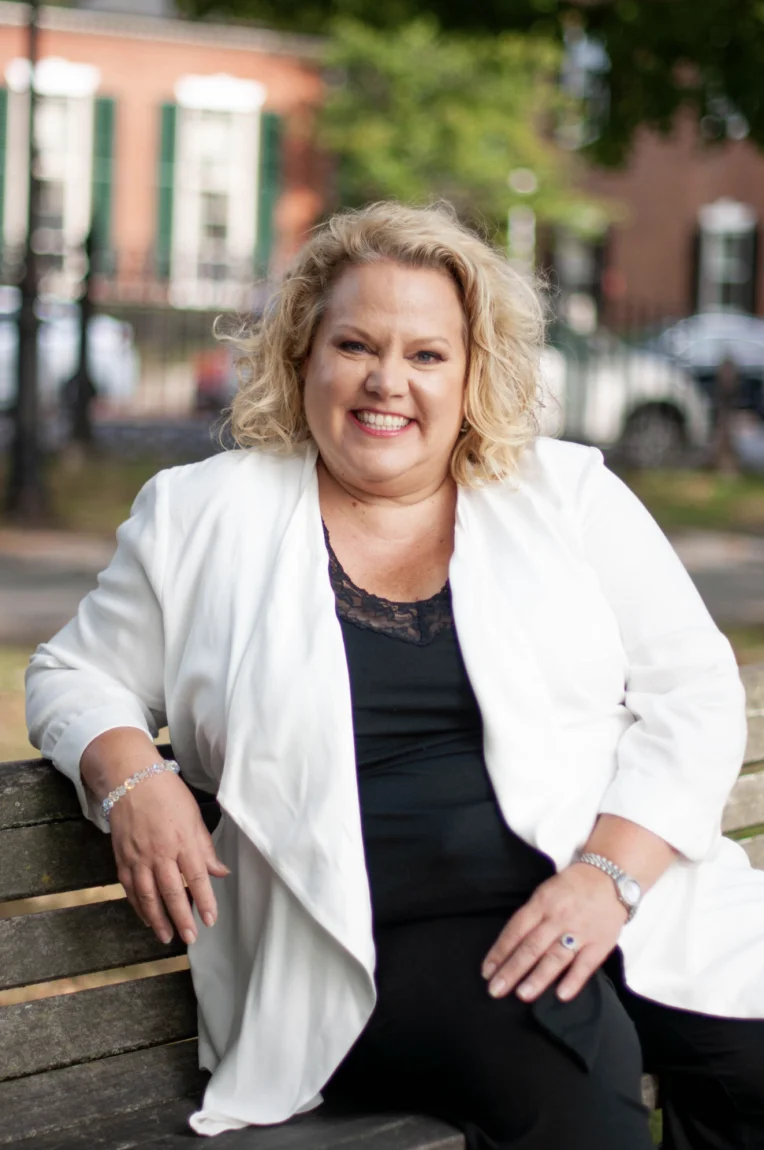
351, 345
428, 357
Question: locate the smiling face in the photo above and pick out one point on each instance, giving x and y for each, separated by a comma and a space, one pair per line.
385, 379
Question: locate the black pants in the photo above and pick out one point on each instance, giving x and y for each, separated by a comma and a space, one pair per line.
711, 1074
550, 1075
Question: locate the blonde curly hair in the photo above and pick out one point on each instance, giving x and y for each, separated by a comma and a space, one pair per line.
505, 330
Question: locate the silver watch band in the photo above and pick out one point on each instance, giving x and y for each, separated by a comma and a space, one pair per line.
617, 874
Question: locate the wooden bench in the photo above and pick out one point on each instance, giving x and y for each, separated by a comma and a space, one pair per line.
114, 1065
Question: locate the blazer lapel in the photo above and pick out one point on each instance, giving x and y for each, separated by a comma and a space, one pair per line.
289, 779
491, 572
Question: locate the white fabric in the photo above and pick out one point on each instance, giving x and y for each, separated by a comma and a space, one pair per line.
603, 684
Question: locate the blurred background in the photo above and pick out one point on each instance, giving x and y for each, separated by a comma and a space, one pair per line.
160, 163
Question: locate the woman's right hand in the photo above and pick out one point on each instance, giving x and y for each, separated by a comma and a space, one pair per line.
158, 836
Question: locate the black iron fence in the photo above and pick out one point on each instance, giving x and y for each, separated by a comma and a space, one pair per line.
151, 347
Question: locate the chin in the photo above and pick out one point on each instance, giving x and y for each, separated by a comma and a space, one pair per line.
378, 466
379, 476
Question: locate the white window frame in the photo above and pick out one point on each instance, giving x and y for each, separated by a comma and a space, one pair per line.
242, 100
721, 222
77, 84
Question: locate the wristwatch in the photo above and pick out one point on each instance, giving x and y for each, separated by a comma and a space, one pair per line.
628, 890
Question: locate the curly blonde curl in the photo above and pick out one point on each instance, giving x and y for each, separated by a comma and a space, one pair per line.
504, 318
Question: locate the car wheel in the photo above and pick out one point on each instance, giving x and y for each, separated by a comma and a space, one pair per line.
653, 437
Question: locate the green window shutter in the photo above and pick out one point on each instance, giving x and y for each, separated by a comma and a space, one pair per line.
3, 150
165, 187
103, 181
269, 186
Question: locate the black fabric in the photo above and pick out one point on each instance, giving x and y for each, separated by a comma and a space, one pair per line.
498, 1069
710, 1070
435, 841
417, 622
550, 1075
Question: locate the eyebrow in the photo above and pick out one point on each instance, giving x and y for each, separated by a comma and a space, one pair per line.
359, 331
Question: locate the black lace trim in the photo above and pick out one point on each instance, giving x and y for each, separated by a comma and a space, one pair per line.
418, 622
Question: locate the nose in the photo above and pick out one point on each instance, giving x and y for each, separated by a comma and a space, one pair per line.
388, 378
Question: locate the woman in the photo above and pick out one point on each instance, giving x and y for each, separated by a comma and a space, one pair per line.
469, 724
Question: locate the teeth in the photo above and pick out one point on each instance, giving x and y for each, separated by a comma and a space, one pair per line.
376, 419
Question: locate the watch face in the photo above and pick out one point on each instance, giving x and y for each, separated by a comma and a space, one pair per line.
630, 890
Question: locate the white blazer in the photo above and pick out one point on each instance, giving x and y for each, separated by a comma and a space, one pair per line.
603, 684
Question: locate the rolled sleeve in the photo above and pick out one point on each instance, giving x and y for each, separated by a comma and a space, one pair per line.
680, 758
105, 669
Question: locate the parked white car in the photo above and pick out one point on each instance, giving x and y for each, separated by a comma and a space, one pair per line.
113, 360
701, 342
599, 391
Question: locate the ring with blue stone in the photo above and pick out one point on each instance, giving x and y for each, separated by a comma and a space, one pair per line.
569, 942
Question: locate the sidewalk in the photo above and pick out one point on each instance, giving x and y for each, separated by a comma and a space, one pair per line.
728, 570
43, 576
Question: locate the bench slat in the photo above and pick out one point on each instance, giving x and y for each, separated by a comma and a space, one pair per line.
74, 1095
754, 749
752, 675
753, 681
164, 1127
53, 857
79, 940
70, 1028
754, 848
745, 806
33, 791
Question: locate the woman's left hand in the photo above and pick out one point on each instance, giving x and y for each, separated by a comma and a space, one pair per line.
528, 955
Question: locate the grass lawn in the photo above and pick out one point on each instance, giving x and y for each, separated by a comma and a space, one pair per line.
701, 499
13, 732
96, 496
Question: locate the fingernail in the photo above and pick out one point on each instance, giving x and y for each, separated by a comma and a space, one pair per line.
497, 987
165, 937
564, 993
208, 918
188, 936
525, 991
488, 969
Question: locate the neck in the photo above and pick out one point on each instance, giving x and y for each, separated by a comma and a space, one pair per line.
341, 491
413, 515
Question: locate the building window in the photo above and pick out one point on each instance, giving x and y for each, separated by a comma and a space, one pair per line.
64, 140
214, 193
726, 274
55, 141
213, 236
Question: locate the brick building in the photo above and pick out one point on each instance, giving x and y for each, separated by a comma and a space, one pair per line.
192, 147
189, 145
690, 237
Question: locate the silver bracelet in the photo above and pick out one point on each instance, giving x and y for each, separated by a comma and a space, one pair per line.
155, 769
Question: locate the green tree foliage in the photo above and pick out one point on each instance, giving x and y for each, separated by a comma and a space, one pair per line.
415, 114
664, 54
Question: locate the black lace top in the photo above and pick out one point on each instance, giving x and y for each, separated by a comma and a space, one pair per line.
435, 840
418, 622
